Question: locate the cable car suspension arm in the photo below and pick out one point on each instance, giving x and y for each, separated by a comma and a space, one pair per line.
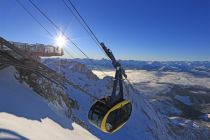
119, 74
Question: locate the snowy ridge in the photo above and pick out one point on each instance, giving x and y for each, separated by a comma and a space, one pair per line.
148, 120
145, 123
25, 115
201, 68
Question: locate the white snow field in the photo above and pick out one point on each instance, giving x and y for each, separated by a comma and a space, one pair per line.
153, 82
144, 124
26, 115
15, 127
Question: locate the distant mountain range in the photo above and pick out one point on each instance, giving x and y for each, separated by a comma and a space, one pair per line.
201, 68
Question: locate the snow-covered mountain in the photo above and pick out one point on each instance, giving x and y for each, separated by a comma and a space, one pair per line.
139, 126
201, 68
158, 112
153, 117
26, 115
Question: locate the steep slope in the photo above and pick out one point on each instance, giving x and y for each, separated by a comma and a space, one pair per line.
26, 115
145, 123
26, 109
149, 119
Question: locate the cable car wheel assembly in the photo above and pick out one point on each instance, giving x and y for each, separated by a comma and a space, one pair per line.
110, 113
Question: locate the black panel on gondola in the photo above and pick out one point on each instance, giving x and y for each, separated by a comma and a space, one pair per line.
109, 117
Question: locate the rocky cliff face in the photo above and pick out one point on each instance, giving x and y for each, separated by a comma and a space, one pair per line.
24, 114
54, 94
71, 66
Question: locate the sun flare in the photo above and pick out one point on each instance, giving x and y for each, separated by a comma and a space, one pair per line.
61, 41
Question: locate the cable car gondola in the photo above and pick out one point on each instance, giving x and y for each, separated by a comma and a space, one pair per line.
110, 113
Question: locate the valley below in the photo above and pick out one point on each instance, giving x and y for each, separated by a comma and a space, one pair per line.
183, 97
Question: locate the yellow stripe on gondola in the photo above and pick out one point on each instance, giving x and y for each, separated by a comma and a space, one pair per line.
117, 106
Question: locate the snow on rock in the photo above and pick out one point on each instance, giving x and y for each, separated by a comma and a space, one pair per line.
69, 65
205, 117
21, 104
26, 115
145, 122
182, 122
156, 79
184, 99
197, 68
152, 83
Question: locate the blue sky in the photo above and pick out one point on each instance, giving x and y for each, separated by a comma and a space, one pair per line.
133, 29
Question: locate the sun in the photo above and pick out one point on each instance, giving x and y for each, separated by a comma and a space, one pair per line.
61, 41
